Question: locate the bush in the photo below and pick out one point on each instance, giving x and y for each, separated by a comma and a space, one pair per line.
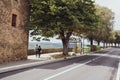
60, 56
77, 49
95, 48
86, 49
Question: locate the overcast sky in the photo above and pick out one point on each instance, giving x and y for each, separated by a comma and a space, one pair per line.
114, 5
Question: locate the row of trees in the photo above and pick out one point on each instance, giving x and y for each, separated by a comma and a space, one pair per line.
104, 32
114, 38
104, 27
70, 17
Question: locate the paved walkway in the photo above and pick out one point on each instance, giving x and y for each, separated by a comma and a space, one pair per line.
43, 56
31, 61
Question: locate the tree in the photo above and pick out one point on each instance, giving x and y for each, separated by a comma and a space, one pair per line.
117, 37
111, 38
61, 17
107, 22
102, 31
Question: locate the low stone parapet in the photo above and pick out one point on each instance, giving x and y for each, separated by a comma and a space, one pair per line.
31, 51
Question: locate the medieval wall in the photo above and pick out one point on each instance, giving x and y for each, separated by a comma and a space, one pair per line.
13, 39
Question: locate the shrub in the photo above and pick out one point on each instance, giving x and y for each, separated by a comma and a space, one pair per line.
77, 49
60, 56
95, 48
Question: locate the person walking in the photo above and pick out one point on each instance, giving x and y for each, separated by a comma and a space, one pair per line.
39, 51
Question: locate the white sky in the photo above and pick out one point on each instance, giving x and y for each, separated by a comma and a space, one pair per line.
114, 5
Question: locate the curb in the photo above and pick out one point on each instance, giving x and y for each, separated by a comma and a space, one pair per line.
23, 66
99, 50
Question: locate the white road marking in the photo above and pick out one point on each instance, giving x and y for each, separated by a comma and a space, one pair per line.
118, 73
53, 76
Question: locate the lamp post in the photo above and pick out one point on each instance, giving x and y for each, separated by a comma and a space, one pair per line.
82, 42
83, 45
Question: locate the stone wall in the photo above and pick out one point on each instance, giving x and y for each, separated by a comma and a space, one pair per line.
44, 51
13, 40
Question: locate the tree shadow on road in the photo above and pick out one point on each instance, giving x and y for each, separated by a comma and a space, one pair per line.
102, 61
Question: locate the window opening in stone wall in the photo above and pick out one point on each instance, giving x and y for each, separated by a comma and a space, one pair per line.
14, 19
16, 0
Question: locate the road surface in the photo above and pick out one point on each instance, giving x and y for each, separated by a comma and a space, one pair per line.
102, 65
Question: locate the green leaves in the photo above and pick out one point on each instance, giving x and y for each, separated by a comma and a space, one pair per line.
50, 16
104, 26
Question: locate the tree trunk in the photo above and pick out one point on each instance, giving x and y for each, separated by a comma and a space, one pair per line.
65, 46
115, 44
65, 40
112, 44
81, 47
104, 45
98, 43
109, 44
91, 44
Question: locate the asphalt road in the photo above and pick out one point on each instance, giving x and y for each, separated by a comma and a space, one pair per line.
102, 65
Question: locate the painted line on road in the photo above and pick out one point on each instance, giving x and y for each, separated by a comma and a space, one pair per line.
71, 69
118, 73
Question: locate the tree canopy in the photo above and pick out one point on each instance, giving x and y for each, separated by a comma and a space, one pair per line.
61, 17
104, 27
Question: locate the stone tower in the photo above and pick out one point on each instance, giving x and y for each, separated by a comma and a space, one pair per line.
13, 34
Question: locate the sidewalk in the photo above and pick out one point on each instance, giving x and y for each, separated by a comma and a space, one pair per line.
31, 61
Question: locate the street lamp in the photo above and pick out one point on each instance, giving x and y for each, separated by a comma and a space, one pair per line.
82, 40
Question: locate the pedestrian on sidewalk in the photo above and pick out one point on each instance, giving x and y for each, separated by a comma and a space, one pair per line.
39, 51
36, 50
